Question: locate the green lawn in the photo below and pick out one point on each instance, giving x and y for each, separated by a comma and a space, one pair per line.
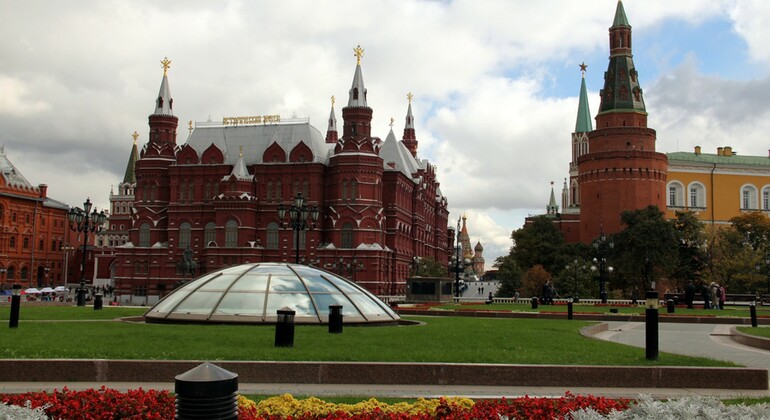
729, 311
759, 331
59, 313
440, 339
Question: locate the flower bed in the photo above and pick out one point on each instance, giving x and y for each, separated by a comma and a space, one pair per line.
105, 403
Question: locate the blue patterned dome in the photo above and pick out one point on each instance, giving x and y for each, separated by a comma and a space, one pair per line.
253, 293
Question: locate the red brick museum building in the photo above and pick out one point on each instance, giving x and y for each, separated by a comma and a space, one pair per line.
218, 194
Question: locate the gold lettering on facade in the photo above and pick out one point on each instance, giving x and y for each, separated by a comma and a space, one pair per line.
257, 119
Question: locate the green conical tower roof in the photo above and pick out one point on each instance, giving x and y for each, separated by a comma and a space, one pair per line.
620, 16
583, 124
130, 176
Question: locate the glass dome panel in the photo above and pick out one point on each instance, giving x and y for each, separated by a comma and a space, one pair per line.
242, 304
241, 294
199, 303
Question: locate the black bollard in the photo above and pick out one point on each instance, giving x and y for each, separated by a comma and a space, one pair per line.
670, 306
534, 302
15, 306
335, 319
98, 302
651, 325
569, 308
753, 311
284, 328
206, 392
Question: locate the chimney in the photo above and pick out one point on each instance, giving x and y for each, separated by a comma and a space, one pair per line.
697, 151
43, 190
728, 151
720, 151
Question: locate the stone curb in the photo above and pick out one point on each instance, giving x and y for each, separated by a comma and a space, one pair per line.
70, 370
749, 340
583, 316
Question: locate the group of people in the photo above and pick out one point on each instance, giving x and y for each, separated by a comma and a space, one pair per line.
547, 294
713, 295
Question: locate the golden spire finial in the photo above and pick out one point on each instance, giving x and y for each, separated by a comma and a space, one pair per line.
583, 67
332, 101
189, 127
392, 120
358, 52
166, 63
240, 152
409, 97
135, 136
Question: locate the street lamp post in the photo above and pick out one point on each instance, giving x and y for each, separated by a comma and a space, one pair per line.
457, 263
576, 266
601, 244
66, 249
767, 262
82, 221
298, 218
2, 274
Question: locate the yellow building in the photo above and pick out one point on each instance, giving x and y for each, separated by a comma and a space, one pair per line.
717, 186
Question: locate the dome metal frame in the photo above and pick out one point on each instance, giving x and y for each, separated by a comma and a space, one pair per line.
252, 293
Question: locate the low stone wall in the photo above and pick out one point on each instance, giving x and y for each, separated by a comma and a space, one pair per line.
749, 340
662, 316
105, 371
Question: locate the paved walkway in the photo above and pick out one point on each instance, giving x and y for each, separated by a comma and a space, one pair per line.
704, 340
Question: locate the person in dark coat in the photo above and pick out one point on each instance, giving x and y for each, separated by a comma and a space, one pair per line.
689, 294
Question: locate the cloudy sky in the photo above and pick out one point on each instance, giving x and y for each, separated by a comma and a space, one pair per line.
495, 83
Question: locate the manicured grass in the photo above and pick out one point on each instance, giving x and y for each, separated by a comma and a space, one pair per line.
440, 339
759, 331
54, 312
729, 311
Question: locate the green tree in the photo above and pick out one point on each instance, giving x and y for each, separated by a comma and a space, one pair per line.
534, 279
646, 249
692, 253
538, 243
509, 276
735, 263
428, 267
755, 228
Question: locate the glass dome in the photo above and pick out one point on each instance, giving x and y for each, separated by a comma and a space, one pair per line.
253, 293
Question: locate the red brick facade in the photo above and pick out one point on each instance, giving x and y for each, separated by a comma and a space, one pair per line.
219, 194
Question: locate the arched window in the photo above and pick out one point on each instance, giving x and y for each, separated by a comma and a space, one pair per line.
353, 189
675, 194
53, 244
182, 191
272, 236
766, 198
278, 191
347, 236
231, 234
209, 234
144, 235
305, 189
12, 242
207, 190
269, 195
24, 274
191, 192
697, 196
344, 190
748, 197
41, 245
25, 243
11, 274
184, 235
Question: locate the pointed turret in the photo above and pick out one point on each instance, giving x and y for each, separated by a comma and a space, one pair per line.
130, 175
621, 90
239, 169
583, 123
410, 139
164, 105
357, 116
552, 207
357, 92
331, 131
163, 123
